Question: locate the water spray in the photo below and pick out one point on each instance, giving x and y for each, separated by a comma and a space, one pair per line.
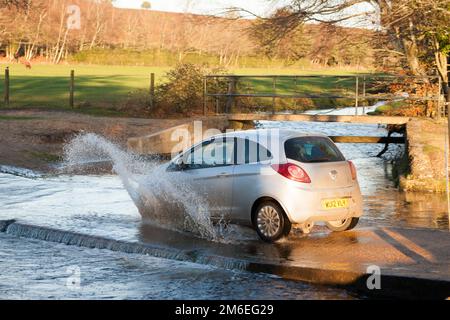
162, 199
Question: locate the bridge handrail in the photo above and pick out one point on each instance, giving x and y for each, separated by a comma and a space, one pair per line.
368, 76
287, 96
359, 92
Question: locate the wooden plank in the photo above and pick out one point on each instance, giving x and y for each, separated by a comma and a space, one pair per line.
319, 118
329, 96
365, 139
371, 77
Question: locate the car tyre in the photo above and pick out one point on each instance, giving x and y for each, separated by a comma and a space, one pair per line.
271, 222
342, 225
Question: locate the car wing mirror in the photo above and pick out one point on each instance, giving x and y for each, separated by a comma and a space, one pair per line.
179, 164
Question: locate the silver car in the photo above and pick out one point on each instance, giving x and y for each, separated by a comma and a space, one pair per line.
273, 179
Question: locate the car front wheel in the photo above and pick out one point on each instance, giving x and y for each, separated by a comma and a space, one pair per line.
271, 222
342, 225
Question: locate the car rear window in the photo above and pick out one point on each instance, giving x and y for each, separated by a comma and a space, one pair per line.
312, 150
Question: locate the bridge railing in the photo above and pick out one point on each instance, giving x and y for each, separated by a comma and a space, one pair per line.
225, 94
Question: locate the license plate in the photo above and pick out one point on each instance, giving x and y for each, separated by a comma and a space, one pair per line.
335, 204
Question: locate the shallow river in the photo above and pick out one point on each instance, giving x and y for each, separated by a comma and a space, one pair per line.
99, 205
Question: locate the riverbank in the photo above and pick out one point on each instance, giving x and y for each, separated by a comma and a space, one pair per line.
423, 169
34, 139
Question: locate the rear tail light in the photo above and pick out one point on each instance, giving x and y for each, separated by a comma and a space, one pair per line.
292, 172
353, 171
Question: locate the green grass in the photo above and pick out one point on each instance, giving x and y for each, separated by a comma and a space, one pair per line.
336, 81
102, 89
48, 85
388, 107
156, 57
430, 149
324, 85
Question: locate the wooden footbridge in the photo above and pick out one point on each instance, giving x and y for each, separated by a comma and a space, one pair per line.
319, 118
396, 124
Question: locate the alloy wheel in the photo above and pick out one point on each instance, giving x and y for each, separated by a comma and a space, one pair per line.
268, 221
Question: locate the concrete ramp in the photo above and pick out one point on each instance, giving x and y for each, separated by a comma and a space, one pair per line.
410, 263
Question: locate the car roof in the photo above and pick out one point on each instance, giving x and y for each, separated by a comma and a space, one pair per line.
284, 134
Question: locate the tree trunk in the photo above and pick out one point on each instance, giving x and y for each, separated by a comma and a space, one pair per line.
412, 51
412, 57
441, 61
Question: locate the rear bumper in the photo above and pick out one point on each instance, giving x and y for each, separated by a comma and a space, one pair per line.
306, 205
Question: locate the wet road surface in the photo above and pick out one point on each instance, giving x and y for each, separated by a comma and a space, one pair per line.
33, 269
100, 206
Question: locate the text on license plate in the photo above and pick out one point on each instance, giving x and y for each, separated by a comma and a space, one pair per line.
335, 203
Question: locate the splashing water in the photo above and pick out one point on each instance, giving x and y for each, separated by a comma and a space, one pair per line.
162, 199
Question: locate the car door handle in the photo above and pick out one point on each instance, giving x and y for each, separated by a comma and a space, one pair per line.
223, 175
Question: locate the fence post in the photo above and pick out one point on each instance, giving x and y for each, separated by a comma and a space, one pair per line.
152, 90
357, 96
7, 87
72, 88
447, 142
274, 88
295, 92
231, 92
447, 103
205, 94
438, 101
217, 105
364, 96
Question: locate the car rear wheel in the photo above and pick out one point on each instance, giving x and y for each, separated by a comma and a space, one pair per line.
342, 225
271, 222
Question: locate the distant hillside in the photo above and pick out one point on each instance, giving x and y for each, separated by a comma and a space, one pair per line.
41, 32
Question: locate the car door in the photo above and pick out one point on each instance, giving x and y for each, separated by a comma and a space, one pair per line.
248, 184
209, 171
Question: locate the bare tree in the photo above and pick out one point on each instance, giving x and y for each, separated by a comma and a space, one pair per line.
41, 28
18, 4
417, 29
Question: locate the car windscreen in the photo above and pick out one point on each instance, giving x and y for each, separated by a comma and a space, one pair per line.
312, 150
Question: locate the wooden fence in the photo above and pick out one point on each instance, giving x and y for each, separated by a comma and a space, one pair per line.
363, 90
71, 90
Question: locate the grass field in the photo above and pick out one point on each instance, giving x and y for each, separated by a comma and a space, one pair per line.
102, 88
48, 85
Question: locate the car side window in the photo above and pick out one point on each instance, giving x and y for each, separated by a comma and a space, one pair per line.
250, 152
213, 153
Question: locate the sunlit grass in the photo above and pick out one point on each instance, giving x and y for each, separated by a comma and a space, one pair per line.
98, 86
